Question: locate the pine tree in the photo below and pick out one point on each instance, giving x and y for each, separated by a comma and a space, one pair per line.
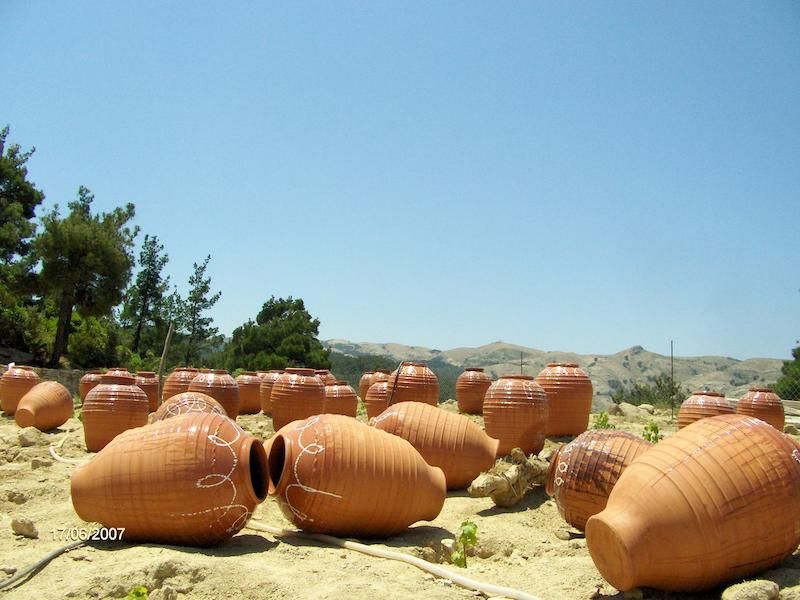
197, 327
144, 304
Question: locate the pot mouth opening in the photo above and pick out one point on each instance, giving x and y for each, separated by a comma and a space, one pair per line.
761, 389
259, 469
277, 462
518, 376
474, 369
568, 365
299, 371
708, 393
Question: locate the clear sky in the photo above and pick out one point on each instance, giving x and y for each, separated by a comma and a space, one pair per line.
576, 176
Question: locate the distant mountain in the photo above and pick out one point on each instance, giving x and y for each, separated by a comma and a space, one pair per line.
608, 372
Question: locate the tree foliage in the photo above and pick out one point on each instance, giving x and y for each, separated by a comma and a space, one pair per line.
197, 328
284, 334
662, 392
145, 300
86, 262
19, 198
788, 386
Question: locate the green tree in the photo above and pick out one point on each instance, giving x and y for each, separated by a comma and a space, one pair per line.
93, 342
86, 262
284, 334
660, 392
196, 327
18, 200
788, 386
144, 301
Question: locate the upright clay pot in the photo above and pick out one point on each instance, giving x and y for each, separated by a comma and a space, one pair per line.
471, 388
14, 384
88, 381
265, 390
583, 472
46, 406
113, 406
376, 401
364, 383
413, 382
715, 502
177, 382
762, 403
296, 394
333, 474
515, 412
188, 402
218, 384
701, 405
148, 383
325, 376
459, 447
379, 375
191, 480
569, 397
340, 399
249, 384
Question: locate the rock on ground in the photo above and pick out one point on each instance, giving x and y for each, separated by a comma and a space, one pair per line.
760, 589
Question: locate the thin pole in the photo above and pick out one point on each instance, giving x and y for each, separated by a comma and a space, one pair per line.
672, 379
164, 359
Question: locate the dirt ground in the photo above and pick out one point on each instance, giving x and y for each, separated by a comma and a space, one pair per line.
517, 547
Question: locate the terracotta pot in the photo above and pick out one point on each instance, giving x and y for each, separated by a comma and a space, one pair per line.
46, 406
471, 388
188, 402
148, 383
191, 480
177, 382
296, 394
325, 376
333, 474
364, 383
87, 382
762, 403
14, 384
376, 400
715, 502
583, 472
569, 394
265, 390
249, 384
113, 406
515, 412
701, 405
413, 382
379, 375
119, 371
218, 384
340, 399
447, 440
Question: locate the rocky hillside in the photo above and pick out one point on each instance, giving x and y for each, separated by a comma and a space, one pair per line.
608, 372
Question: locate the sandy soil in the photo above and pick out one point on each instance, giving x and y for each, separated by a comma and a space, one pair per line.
517, 548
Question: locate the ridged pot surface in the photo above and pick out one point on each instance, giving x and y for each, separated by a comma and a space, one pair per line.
583, 472
192, 480
268, 380
218, 384
46, 406
515, 413
296, 394
148, 383
413, 382
376, 400
569, 394
364, 383
188, 402
14, 384
178, 382
340, 399
333, 474
764, 404
325, 376
471, 387
715, 502
87, 382
701, 405
113, 406
459, 447
249, 384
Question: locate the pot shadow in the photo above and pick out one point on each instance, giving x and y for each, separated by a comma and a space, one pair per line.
651, 594
532, 500
238, 545
419, 536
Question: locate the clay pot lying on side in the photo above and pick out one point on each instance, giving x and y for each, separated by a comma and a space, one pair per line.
48, 405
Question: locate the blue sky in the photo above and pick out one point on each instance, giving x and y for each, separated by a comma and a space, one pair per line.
577, 176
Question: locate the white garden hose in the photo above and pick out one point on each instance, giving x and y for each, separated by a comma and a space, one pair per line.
59, 458
486, 588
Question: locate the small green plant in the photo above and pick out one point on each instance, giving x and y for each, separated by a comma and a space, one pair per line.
137, 593
467, 537
601, 421
651, 433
